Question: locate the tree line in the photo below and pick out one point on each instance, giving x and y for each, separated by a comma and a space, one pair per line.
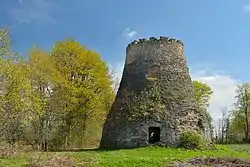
233, 127
52, 100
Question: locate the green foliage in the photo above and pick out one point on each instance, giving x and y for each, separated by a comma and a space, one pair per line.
192, 140
239, 129
236, 128
50, 99
242, 96
5, 49
14, 91
42, 75
202, 93
143, 104
85, 91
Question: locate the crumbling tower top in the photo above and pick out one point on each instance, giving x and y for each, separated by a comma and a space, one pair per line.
144, 44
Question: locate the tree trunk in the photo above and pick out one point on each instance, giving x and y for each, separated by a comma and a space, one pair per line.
246, 124
68, 134
245, 102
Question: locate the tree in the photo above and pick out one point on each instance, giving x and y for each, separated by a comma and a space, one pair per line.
15, 100
50, 99
202, 95
42, 75
242, 107
5, 49
236, 128
4, 52
14, 91
86, 91
223, 126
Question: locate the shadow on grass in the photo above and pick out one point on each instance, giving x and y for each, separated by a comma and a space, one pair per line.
87, 150
95, 149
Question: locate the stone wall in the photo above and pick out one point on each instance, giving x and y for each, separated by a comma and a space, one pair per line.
155, 90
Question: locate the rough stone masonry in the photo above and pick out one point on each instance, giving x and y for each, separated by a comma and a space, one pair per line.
155, 100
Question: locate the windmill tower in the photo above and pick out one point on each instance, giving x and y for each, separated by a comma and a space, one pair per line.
155, 100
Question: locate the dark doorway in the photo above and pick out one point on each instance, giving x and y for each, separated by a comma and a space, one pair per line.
154, 134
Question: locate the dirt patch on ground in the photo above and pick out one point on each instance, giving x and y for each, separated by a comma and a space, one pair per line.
216, 162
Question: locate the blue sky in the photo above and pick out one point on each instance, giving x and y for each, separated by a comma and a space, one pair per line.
216, 33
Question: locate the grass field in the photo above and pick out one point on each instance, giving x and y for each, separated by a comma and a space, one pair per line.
240, 147
141, 157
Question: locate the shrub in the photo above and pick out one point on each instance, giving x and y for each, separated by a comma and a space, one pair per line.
192, 140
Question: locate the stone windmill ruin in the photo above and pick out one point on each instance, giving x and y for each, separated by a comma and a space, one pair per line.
155, 100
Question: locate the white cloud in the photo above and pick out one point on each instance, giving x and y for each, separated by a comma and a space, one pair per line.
129, 33
246, 8
33, 10
222, 84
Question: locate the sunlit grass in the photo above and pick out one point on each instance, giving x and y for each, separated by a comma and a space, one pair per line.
141, 157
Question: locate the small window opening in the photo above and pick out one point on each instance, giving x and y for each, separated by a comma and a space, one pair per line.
154, 134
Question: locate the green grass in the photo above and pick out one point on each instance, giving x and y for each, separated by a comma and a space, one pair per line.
141, 157
240, 147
